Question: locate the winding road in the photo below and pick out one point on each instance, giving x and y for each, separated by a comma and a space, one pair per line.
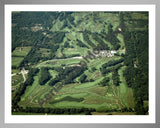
23, 72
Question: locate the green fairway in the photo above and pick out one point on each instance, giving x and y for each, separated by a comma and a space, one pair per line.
34, 92
126, 93
121, 39
59, 62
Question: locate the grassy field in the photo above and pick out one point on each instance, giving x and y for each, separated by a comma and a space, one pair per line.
34, 92
59, 62
126, 93
15, 71
17, 79
16, 61
21, 51
78, 95
18, 55
77, 50
121, 39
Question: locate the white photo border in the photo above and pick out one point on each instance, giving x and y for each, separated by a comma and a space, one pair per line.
9, 118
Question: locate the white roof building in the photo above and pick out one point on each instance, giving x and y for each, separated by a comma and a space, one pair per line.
113, 52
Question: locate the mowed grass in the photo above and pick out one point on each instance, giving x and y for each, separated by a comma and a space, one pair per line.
121, 39
17, 79
59, 62
53, 73
76, 50
126, 93
94, 95
18, 55
70, 51
21, 51
15, 71
98, 62
16, 61
106, 95
57, 26
33, 92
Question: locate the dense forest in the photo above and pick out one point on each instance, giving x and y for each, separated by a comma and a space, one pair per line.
136, 60
66, 75
22, 88
44, 76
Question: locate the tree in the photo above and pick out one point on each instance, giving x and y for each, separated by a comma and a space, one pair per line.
44, 76
105, 81
82, 78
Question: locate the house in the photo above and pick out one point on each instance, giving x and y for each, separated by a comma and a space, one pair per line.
113, 52
110, 55
103, 53
120, 29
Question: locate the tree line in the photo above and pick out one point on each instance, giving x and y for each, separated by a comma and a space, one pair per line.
111, 66
67, 111
101, 44
66, 75
44, 76
29, 19
21, 90
112, 38
136, 60
86, 38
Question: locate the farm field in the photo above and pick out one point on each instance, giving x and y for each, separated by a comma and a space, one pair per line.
18, 55
80, 63
21, 51
16, 61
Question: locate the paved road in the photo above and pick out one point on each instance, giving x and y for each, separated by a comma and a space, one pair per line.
23, 72
13, 74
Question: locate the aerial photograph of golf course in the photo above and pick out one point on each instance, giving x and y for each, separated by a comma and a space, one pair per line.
80, 63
